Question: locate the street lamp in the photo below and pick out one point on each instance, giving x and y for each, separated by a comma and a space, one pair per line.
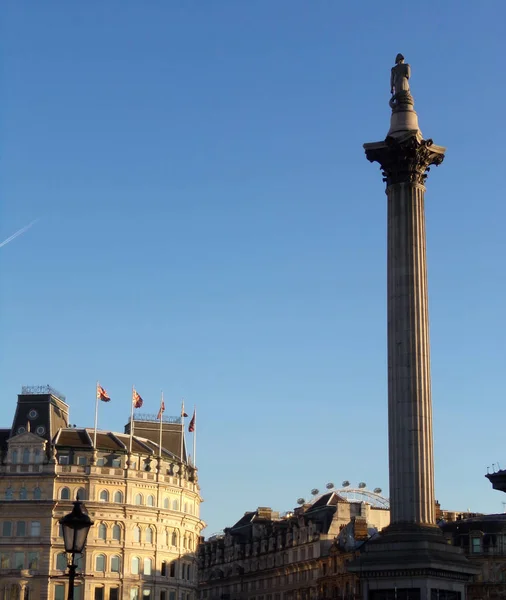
76, 526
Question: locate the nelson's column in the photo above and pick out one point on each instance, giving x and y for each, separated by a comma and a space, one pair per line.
410, 559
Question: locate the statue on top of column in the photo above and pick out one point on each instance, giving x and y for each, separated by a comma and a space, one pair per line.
399, 85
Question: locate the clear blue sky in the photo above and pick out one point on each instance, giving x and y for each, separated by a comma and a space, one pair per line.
209, 226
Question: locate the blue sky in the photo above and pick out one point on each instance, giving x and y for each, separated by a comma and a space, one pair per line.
209, 226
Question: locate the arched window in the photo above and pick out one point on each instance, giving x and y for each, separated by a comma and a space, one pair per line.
149, 535
37, 456
37, 493
65, 493
136, 564
174, 538
147, 566
81, 492
61, 561
186, 507
151, 501
138, 499
22, 493
104, 496
100, 563
118, 497
175, 504
26, 456
102, 531
166, 503
115, 564
14, 457
116, 533
9, 494
184, 540
137, 534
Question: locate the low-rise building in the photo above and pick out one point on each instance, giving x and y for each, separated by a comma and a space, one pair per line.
265, 556
483, 539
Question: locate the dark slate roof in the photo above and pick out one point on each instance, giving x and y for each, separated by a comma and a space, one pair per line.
106, 440
73, 438
4, 436
486, 523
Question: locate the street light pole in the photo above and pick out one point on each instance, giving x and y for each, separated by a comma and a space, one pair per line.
72, 576
76, 526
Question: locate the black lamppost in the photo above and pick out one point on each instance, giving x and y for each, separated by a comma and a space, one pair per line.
76, 526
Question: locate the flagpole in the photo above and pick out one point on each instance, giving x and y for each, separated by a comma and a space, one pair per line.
195, 436
182, 430
132, 421
96, 418
161, 421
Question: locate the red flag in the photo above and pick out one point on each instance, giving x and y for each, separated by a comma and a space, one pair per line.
102, 394
136, 399
161, 411
191, 426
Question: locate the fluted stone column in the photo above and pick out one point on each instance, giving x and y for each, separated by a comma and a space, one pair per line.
405, 160
409, 391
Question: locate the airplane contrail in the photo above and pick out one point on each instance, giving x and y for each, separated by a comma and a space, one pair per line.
19, 232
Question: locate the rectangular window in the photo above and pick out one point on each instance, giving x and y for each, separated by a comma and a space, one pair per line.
20, 528
7, 529
172, 569
163, 595
78, 592
35, 528
63, 459
99, 593
33, 561
310, 552
19, 560
81, 461
100, 461
172, 595
302, 554
59, 591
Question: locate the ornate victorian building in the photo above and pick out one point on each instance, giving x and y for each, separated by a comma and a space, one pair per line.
265, 556
145, 505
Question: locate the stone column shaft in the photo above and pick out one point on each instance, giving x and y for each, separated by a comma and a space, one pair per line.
405, 159
409, 384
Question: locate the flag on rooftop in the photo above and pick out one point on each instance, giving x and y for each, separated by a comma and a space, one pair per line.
102, 394
136, 399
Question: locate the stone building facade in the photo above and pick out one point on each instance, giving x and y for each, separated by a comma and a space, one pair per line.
145, 506
483, 540
265, 556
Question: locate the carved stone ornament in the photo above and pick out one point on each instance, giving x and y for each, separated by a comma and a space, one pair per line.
405, 159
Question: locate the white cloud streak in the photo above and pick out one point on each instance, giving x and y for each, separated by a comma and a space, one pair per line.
18, 233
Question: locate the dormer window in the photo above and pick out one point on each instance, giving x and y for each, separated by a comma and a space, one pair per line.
63, 459
476, 545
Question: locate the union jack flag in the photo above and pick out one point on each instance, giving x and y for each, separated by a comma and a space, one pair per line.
136, 399
102, 394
